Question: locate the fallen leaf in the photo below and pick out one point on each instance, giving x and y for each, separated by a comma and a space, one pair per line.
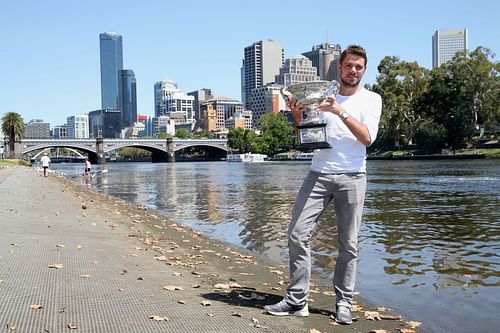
72, 326
413, 324
405, 330
159, 318
172, 288
372, 315
210, 314
36, 306
389, 317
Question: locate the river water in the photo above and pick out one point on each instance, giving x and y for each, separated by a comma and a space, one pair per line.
429, 244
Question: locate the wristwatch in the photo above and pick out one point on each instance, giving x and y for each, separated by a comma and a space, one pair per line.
344, 116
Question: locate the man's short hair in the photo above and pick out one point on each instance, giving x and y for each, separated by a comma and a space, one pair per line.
355, 50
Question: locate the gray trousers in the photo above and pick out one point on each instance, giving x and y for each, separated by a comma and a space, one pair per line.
318, 190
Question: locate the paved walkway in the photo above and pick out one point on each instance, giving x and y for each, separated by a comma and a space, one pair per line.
73, 260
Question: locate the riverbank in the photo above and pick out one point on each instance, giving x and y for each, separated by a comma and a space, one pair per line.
73, 257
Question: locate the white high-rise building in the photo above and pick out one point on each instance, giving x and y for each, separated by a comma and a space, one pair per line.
297, 69
325, 58
262, 61
169, 98
446, 43
78, 127
170, 101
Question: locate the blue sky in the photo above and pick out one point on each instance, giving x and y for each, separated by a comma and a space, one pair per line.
49, 50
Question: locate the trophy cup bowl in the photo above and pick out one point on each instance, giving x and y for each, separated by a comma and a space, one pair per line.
312, 130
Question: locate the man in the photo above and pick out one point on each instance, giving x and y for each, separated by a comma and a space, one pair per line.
337, 174
45, 161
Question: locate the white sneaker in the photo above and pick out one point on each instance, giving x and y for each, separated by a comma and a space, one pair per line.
284, 309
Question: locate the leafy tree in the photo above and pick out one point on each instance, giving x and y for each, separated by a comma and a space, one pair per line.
463, 94
164, 135
240, 139
276, 133
183, 133
430, 136
400, 84
12, 128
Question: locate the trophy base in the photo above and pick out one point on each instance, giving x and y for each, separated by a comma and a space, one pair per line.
312, 135
313, 145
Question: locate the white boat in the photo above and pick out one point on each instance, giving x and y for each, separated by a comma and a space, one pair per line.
246, 158
304, 156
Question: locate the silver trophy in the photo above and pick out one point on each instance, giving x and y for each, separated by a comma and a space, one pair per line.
312, 130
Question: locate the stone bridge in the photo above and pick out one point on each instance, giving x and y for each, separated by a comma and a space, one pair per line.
163, 150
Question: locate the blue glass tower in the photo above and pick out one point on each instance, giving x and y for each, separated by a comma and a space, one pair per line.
128, 99
111, 64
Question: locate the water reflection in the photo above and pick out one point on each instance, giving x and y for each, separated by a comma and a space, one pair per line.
429, 242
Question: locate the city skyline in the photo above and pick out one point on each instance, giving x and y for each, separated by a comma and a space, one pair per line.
51, 50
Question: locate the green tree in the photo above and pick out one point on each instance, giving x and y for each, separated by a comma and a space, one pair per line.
12, 128
241, 139
400, 84
463, 95
430, 136
164, 135
183, 133
276, 134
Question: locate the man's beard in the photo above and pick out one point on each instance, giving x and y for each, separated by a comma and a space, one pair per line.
349, 84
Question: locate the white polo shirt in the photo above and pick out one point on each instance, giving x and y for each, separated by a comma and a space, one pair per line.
347, 153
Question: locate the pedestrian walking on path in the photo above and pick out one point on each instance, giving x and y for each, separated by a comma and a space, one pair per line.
45, 161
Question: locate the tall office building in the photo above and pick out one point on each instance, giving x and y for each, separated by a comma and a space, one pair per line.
325, 58
60, 132
217, 110
262, 61
78, 127
200, 96
106, 123
111, 64
37, 129
446, 43
297, 69
128, 97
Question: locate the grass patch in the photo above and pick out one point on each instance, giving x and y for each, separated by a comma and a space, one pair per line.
11, 163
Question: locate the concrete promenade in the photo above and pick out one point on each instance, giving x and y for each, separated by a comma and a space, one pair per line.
75, 260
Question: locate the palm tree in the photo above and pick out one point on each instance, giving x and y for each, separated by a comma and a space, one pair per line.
13, 129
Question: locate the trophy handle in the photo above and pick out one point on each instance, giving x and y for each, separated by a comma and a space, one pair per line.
333, 89
285, 94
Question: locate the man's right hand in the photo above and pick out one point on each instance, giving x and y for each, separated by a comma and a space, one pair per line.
296, 109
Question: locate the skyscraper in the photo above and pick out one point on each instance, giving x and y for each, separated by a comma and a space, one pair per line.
446, 43
262, 61
111, 63
297, 69
128, 97
325, 58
